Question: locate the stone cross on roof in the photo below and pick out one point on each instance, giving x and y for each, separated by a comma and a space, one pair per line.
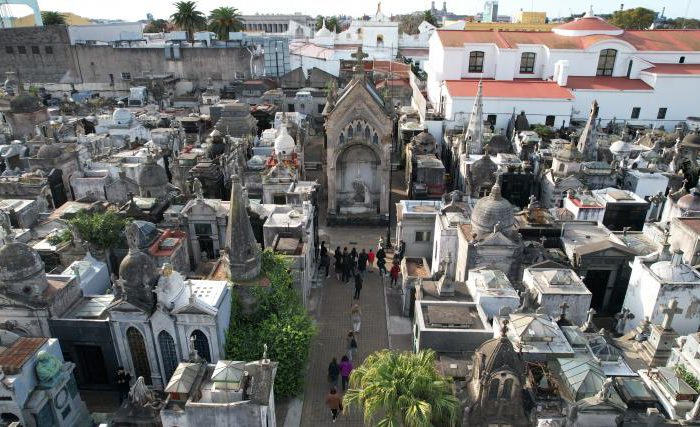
669, 311
504, 328
359, 56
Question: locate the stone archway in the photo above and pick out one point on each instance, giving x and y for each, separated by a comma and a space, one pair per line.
357, 184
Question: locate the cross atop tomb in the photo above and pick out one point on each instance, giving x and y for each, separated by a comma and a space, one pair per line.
669, 311
504, 328
359, 56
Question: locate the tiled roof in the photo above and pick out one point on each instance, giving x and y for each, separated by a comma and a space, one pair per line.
674, 69
643, 40
519, 88
605, 83
14, 357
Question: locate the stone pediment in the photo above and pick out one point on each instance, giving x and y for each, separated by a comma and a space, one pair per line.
569, 182
196, 307
358, 102
496, 239
127, 306
605, 248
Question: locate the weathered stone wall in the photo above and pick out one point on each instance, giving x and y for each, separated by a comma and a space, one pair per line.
47, 56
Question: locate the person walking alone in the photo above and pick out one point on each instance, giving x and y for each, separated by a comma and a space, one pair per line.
358, 286
362, 264
395, 270
381, 261
334, 403
351, 346
346, 266
333, 372
338, 262
370, 259
355, 318
345, 370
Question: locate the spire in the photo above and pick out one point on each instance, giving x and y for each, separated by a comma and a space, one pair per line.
323, 26
588, 141
590, 13
474, 135
244, 252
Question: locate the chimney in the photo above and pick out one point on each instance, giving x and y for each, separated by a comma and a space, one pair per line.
561, 72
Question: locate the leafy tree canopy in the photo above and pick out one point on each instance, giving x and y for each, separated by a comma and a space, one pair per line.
157, 26
279, 320
681, 23
188, 18
332, 23
639, 18
394, 389
53, 18
103, 230
224, 20
408, 24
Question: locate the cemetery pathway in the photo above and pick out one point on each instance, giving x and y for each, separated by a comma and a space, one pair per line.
333, 301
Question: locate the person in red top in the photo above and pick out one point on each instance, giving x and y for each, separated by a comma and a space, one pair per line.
370, 259
395, 269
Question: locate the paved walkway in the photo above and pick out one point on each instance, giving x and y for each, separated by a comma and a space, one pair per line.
334, 301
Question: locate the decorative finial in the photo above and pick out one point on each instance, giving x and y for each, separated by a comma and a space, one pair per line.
264, 356
504, 328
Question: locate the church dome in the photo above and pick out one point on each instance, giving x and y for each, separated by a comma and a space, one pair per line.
284, 143
492, 210
49, 151
323, 31
152, 175
587, 25
19, 262
690, 202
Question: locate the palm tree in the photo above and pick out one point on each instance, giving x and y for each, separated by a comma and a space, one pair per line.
49, 17
223, 20
402, 389
188, 18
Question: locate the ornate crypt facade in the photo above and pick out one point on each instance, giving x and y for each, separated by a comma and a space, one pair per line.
358, 153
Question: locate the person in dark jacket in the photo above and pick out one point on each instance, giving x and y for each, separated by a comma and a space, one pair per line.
358, 286
338, 263
362, 264
123, 379
333, 372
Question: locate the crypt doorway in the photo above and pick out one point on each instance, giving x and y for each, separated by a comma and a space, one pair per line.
358, 187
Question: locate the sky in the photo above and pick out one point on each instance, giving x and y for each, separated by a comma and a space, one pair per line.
132, 10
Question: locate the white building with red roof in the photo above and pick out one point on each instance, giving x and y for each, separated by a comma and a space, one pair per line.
641, 76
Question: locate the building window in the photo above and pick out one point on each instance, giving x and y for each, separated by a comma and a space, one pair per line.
139, 357
9, 50
201, 344
527, 63
491, 118
681, 60
168, 354
423, 236
202, 229
507, 389
493, 389
606, 62
290, 108
380, 41
320, 108
635, 112
662, 113
549, 120
476, 62
48, 50
126, 76
35, 50
21, 49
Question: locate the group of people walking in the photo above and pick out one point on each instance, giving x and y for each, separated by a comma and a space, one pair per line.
353, 266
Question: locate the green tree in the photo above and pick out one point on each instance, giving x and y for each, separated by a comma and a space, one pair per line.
682, 24
402, 389
157, 26
408, 24
639, 18
430, 18
188, 18
50, 17
280, 320
331, 23
223, 20
103, 230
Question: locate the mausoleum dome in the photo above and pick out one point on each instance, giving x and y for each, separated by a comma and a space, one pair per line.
284, 143
690, 202
492, 210
137, 269
498, 354
49, 151
152, 175
121, 116
19, 262
692, 140
323, 31
674, 271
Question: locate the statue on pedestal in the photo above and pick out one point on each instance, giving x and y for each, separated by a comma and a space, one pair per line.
47, 368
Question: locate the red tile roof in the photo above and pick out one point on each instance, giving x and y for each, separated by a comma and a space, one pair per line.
606, 83
15, 356
587, 23
674, 69
643, 40
519, 88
